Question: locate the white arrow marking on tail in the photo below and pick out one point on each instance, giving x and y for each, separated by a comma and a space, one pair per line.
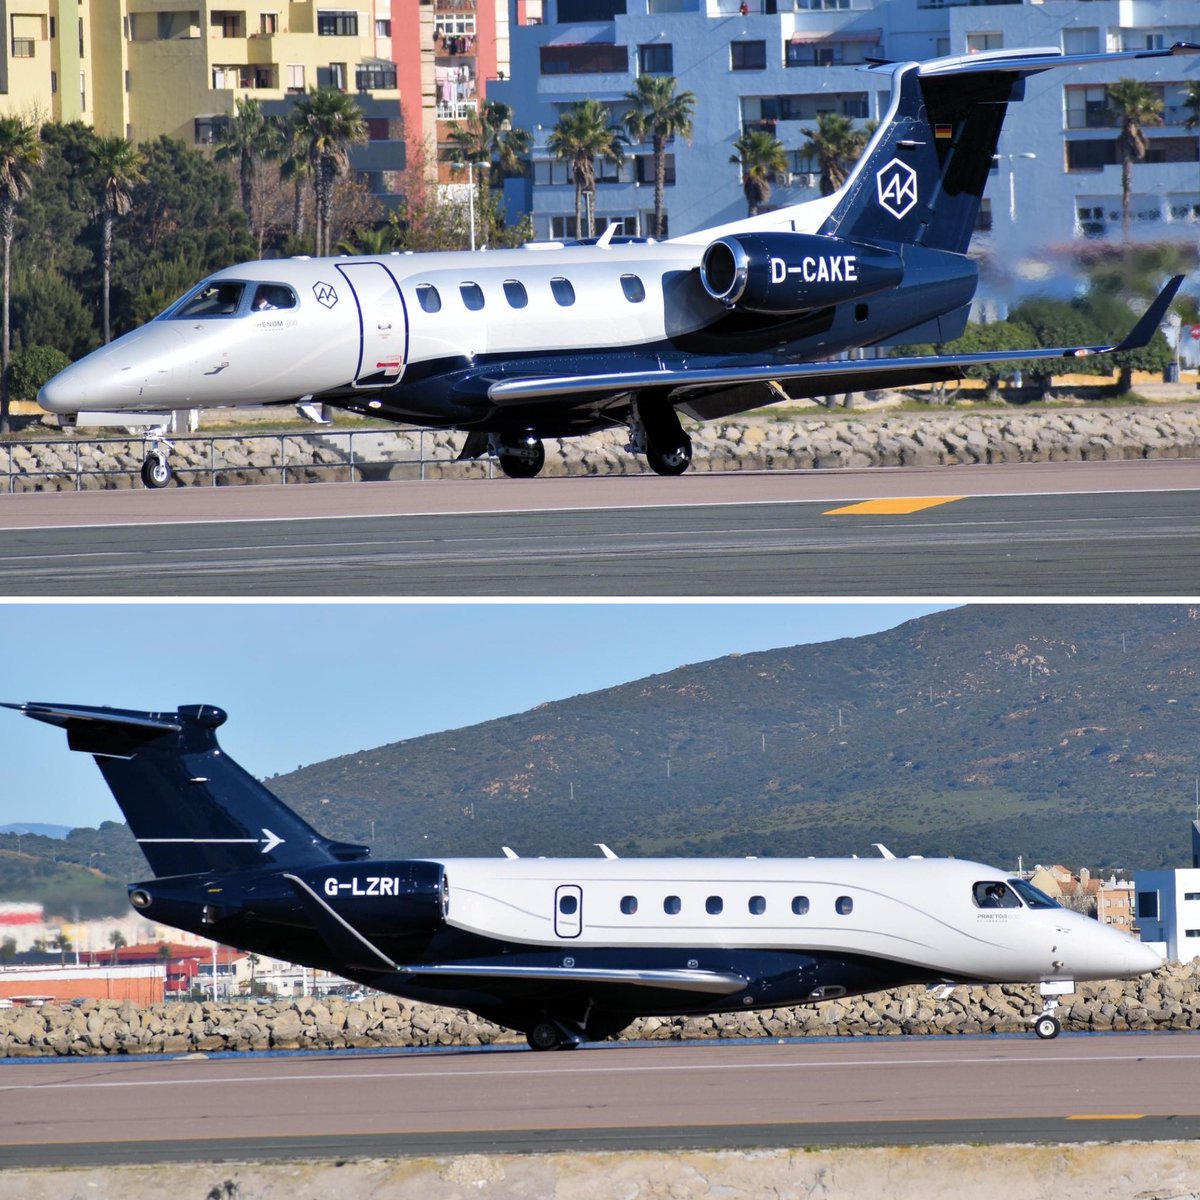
269, 842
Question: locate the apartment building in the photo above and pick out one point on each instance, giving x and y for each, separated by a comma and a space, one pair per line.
777, 64
141, 68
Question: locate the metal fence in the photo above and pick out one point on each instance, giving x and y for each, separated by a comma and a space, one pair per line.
212, 460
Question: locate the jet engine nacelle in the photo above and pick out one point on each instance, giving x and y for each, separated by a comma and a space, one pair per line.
794, 272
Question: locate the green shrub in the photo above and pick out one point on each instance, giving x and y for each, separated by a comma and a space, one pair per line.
31, 367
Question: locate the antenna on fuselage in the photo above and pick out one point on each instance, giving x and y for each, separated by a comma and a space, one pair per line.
600, 845
884, 852
509, 852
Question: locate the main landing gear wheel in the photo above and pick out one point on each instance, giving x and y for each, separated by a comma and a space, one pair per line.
524, 463
548, 1035
156, 471
1046, 1026
670, 462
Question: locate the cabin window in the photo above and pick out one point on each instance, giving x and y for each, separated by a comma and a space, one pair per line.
568, 905
844, 906
631, 285
629, 905
428, 298
672, 905
564, 293
757, 905
472, 295
713, 906
272, 295
212, 300
991, 893
799, 905
514, 291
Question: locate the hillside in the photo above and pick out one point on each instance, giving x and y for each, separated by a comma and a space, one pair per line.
1057, 732
1062, 732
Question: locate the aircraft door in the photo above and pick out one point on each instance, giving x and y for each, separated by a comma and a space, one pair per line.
382, 323
568, 910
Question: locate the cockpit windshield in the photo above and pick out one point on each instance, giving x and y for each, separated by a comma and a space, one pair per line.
1032, 896
991, 893
220, 298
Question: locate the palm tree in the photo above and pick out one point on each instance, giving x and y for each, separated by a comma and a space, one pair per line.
836, 145
119, 167
489, 140
762, 157
368, 241
20, 154
659, 112
295, 168
249, 138
117, 941
585, 133
1131, 105
329, 122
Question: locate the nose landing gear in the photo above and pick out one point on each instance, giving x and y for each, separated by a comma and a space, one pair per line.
156, 470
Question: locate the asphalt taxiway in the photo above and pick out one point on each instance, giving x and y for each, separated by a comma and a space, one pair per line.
1085, 529
846, 1092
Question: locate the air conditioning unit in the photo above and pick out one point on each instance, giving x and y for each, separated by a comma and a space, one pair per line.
803, 181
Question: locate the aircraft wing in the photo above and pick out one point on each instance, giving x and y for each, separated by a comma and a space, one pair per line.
358, 951
814, 379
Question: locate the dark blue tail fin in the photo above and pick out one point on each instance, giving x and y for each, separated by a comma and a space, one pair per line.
921, 179
190, 806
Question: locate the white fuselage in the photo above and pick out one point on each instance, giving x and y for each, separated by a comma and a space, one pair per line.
921, 912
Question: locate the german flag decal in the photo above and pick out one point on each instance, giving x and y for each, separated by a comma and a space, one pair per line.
943, 131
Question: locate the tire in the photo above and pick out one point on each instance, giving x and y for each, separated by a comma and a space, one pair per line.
545, 1035
1047, 1027
670, 463
521, 466
156, 471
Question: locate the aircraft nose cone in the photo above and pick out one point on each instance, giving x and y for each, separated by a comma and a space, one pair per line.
1144, 958
63, 393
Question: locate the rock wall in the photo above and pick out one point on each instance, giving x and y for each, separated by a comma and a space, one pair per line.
1170, 999
806, 441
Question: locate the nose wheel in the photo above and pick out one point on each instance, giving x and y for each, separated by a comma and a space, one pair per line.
1047, 1027
156, 470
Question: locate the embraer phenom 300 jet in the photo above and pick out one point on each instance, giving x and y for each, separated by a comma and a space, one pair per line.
554, 340
563, 949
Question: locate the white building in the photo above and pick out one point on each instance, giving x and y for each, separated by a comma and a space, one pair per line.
784, 61
1168, 906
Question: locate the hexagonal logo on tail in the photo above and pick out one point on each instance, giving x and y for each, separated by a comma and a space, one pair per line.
896, 184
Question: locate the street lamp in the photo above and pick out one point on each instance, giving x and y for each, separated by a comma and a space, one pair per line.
1012, 180
458, 166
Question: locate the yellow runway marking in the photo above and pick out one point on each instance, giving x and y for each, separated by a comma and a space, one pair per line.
897, 506
1106, 1117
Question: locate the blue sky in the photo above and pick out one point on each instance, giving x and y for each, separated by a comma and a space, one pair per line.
306, 682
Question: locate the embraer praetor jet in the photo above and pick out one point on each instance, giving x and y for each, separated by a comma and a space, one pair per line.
564, 949
554, 340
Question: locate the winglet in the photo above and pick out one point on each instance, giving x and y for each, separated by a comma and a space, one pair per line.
1152, 318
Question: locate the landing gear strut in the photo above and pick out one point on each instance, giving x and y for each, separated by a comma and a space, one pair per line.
655, 431
156, 470
1046, 1024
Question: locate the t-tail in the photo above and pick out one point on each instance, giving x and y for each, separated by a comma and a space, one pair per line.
921, 179
190, 806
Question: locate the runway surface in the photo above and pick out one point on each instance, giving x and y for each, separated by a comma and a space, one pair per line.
802, 1093
1125, 528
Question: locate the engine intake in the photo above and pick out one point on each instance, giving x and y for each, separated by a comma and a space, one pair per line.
794, 272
